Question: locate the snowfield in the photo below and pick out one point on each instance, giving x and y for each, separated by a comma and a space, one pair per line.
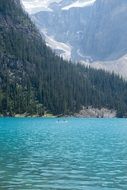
55, 45
34, 6
79, 3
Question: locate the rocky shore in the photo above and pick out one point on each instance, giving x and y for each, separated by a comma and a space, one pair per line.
90, 112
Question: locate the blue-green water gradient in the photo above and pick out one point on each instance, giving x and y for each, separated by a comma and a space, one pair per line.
63, 154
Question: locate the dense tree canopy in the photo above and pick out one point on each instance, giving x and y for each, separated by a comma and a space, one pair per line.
33, 79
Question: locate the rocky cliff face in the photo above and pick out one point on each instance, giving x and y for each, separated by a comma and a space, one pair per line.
66, 26
106, 33
91, 112
97, 32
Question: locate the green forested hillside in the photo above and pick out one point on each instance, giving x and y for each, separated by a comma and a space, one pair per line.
33, 79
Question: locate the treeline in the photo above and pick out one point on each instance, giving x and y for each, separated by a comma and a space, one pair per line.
34, 80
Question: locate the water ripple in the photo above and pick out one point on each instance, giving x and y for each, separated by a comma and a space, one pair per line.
81, 154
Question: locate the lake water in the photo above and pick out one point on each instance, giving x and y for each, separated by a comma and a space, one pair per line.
63, 154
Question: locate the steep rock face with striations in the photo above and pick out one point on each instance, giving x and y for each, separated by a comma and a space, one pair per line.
93, 32
65, 26
106, 33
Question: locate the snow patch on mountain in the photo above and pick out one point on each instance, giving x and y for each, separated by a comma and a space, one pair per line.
79, 3
63, 49
34, 6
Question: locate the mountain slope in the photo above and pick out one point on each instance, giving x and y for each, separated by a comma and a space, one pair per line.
63, 27
95, 33
106, 33
34, 80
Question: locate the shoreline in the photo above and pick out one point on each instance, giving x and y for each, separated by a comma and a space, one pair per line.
58, 117
85, 112
78, 116
27, 116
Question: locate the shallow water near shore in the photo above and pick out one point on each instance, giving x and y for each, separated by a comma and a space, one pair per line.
63, 154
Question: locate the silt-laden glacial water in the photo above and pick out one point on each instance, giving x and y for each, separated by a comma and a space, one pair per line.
63, 154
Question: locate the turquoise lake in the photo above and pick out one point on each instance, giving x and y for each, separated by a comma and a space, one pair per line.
63, 154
